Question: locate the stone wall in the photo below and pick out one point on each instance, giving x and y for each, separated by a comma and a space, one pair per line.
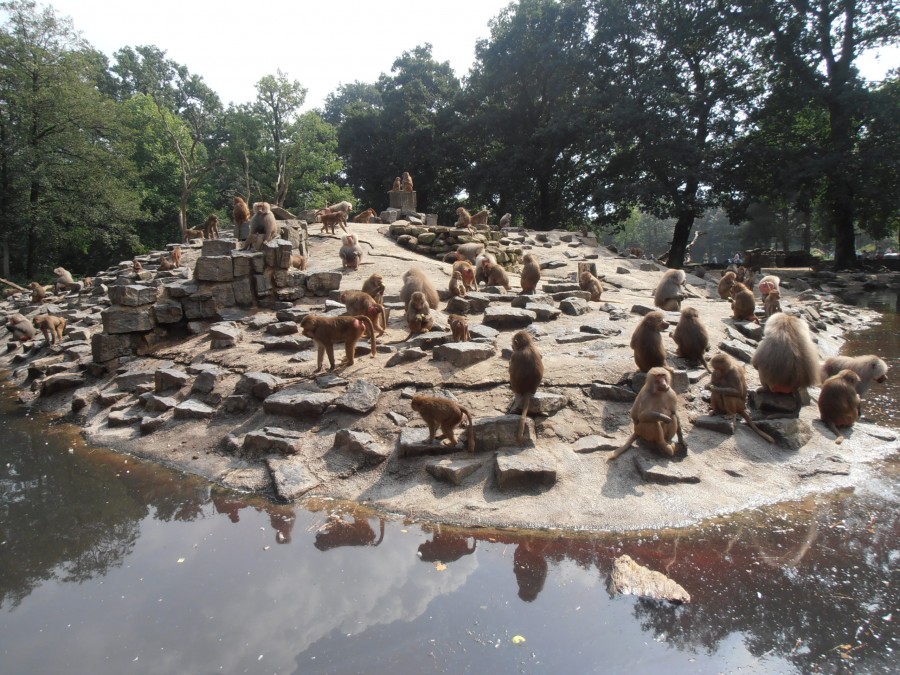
437, 240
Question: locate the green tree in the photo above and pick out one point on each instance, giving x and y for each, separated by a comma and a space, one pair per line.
523, 115
277, 104
64, 187
813, 47
672, 81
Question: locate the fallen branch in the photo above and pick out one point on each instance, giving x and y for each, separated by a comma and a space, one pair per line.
10, 283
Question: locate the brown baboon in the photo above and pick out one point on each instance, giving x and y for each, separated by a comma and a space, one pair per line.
725, 283
351, 253
691, 337
416, 280
839, 401
446, 414
655, 416
588, 282
374, 286
526, 370
786, 358
326, 330
361, 303
531, 274
51, 326
646, 341
670, 291
459, 327
729, 390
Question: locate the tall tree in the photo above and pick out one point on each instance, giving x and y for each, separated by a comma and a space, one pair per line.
278, 101
195, 131
63, 183
523, 114
814, 45
673, 79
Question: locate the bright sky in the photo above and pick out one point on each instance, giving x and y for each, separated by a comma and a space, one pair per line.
320, 43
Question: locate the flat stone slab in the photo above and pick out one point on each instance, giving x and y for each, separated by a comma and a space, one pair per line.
289, 343
790, 434
207, 378
282, 328
576, 338
500, 431
291, 478
629, 578
738, 350
414, 443
273, 440
330, 380
61, 382
259, 385
453, 471
544, 403
574, 306
193, 410
294, 403
715, 423
602, 330
405, 356
165, 379
480, 331
124, 418
133, 295
543, 311
665, 471
429, 340
524, 470
508, 318
361, 446
749, 329
611, 392
464, 354
158, 404
360, 397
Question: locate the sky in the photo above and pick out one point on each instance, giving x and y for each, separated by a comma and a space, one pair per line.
320, 43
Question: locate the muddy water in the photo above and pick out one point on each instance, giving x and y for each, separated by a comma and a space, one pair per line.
110, 565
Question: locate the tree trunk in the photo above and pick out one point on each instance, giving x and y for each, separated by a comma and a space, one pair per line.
680, 240
182, 213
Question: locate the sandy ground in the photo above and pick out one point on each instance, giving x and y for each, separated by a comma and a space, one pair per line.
728, 473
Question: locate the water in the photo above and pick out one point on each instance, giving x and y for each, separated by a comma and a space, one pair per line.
111, 565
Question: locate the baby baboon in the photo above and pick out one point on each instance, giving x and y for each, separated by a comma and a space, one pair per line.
361, 303
839, 401
459, 327
670, 291
772, 302
647, 343
415, 280
364, 216
326, 330
176, 256
443, 412
38, 292
396, 185
51, 326
526, 370
868, 368
164, 263
531, 274
298, 262
729, 390
497, 276
768, 284
588, 282
691, 337
655, 416
467, 271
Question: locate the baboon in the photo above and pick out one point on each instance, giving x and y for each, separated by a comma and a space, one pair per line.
729, 390
51, 326
670, 291
636, 251
531, 274
176, 256
298, 262
463, 219
467, 272
868, 368
768, 284
64, 280
351, 253
240, 214
344, 207
646, 341
480, 218
418, 315
743, 305
416, 280
786, 358
364, 216
396, 185
21, 327
588, 282
483, 264
725, 284
446, 414
459, 327
361, 303
165, 264
691, 337
839, 404
772, 302
326, 330
505, 221
374, 286
457, 286
469, 251
331, 219
263, 226
655, 416
406, 182
38, 292
211, 227
497, 276
526, 370
190, 233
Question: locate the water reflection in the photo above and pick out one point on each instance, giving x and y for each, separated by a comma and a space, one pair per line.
184, 578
